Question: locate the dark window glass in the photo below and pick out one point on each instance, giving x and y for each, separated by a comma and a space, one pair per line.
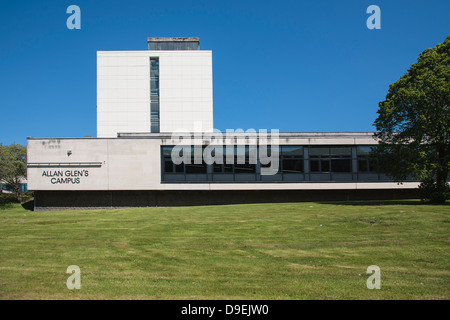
294, 151
319, 151
332, 159
167, 151
179, 168
341, 165
365, 163
196, 168
362, 165
314, 165
168, 166
373, 165
244, 168
341, 151
364, 150
292, 165
325, 165
218, 168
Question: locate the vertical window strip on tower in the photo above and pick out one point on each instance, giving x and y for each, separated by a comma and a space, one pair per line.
154, 95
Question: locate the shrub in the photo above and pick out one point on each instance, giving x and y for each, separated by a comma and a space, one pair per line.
6, 198
431, 191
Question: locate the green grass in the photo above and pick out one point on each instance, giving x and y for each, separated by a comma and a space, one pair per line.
259, 251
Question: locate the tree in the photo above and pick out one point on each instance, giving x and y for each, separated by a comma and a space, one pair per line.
413, 125
13, 166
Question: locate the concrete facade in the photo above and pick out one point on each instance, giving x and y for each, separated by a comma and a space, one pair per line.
123, 91
135, 163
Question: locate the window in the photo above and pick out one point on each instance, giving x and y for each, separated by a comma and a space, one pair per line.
291, 159
365, 161
154, 94
221, 167
330, 159
249, 165
197, 165
193, 167
169, 166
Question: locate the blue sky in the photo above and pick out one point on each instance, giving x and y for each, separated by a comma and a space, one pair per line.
296, 66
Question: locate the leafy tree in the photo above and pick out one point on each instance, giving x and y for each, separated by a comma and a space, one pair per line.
13, 167
413, 125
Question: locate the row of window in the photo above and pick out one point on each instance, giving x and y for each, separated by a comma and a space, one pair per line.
291, 160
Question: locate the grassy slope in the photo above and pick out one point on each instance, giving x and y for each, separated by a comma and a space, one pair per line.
260, 251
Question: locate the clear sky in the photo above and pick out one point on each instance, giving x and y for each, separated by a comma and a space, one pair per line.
296, 66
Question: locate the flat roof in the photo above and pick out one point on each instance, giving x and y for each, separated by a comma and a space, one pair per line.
173, 39
283, 135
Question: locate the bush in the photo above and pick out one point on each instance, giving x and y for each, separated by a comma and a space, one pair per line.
27, 196
6, 198
431, 191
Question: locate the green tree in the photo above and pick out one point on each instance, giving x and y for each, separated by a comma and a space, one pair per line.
413, 125
13, 166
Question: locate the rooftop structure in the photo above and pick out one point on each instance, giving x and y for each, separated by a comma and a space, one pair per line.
173, 43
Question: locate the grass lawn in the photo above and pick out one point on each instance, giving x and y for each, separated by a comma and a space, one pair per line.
258, 251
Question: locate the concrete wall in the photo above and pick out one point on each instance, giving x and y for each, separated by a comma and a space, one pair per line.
93, 164
135, 164
123, 91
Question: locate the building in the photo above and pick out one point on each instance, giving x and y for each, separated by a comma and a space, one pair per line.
156, 146
162, 89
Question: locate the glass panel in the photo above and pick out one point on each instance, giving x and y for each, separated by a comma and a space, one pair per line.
154, 85
319, 151
372, 165
196, 168
362, 165
292, 165
365, 165
154, 94
179, 168
167, 151
341, 165
168, 166
154, 127
314, 165
341, 151
292, 151
244, 168
325, 165
364, 150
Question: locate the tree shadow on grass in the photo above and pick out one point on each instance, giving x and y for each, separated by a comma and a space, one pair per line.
410, 202
28, 205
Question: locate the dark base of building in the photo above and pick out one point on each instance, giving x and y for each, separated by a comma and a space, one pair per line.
55, 200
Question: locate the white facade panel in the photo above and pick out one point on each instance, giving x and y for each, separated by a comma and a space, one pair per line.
123, 91
135, 164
